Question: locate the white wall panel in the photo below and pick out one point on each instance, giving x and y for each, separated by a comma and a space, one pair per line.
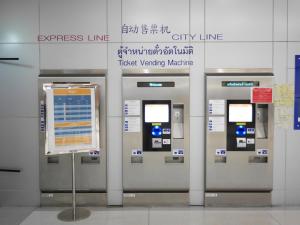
293, 20
114, 20
280, 62
73, 17
293, 49
291, 76
197, 81
73, 56
278, 197
280, 20
238, 55
19, 149
279, 161
292, 197
114, 161
18, 80
19, 21
114, 82
240, 20
196, 18
197, 149
279, 164
171, 13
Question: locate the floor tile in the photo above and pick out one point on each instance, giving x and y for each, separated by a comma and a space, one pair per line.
167, 216
287, 216
14, 215
99, 216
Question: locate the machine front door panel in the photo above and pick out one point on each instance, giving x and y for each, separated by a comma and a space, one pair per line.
239, 149
156, 155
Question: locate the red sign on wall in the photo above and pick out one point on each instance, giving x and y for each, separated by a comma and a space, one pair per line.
261, 95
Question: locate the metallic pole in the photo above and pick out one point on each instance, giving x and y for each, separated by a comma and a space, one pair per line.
73, 186
73, 214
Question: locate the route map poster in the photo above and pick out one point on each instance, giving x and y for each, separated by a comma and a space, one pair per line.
71, 119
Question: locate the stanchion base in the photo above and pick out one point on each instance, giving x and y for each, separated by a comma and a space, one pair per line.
67, 214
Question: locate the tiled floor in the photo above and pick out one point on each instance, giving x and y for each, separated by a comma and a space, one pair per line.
14, 215
164, 216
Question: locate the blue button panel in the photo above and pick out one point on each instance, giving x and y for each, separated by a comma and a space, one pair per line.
156, 131
240, 131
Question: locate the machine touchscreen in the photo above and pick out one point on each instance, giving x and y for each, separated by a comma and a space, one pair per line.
156, 113
240, 113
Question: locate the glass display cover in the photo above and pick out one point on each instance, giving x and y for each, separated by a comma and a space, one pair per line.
240, 112
156, 113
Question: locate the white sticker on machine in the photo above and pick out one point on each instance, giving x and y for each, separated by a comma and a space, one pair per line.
136, 152
262, 152
216, 107
132, 107
132, 124
211, 195
166, 141
94, 153
250, 141
178, 152
221, 152
216, 124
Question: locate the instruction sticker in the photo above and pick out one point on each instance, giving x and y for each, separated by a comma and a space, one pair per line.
132, 124
216, 107
178, 152
261, 95
250, 141
262, 152
166, 131
221, 152
216, 124
94, 153
250, 130
132, 107
136, 152
166, 141
42, 116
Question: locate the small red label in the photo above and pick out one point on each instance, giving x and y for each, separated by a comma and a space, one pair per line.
261, 95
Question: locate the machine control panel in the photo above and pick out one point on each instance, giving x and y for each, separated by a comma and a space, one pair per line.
157, 125
240, 125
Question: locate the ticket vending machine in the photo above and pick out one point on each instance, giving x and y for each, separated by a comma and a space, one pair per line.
239, 137
56, 170
155, 137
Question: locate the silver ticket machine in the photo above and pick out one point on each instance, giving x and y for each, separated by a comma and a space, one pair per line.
90, 167
155, 137
239, 137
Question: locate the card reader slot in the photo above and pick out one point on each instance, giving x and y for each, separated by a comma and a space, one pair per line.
172, 159
258, 159
262, 121
136, 159
90, 159
220, 159
178, 121
53, 159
